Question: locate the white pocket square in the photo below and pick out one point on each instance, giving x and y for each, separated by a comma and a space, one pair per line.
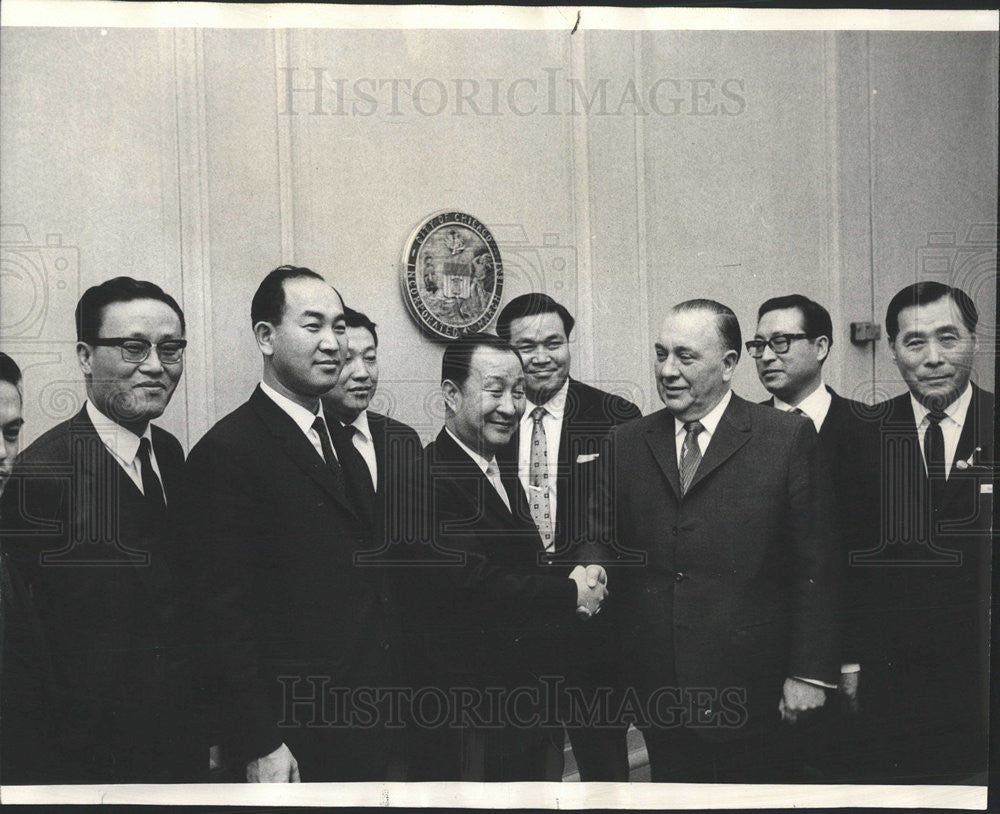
584, 457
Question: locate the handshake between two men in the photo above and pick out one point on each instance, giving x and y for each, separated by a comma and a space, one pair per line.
591, 589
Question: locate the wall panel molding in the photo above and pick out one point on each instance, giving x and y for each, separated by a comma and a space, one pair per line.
283, 127
193, 219
580, 203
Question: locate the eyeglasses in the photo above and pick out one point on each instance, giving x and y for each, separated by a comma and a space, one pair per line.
135, 351
779, 344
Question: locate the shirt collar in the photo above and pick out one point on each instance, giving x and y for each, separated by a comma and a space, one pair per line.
711, 419
816, 405
555, 406
303, 418
956, 411
479, 460
361, 425
123, 443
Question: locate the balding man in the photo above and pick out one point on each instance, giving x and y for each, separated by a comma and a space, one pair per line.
728, 612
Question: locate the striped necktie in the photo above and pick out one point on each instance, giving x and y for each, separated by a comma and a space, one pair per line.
690, 454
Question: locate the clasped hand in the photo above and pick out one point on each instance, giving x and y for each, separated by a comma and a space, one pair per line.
591, 589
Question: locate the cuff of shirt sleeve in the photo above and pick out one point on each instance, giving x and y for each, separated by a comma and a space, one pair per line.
817, 682
850, 667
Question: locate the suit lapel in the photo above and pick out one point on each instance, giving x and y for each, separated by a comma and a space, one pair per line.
298, 448
98, 466
663, 444
496, 515
732, 433
377, 426
966, 449
170, 467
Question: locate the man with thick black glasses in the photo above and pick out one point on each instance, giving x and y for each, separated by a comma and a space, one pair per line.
792, 343
85, 514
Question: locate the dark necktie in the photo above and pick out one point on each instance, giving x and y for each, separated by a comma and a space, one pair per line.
934, 446
152, 489
356, 471
690, 454
797, 411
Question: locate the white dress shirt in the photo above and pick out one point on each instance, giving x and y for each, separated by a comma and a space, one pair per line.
816, 405
488, 467
951, 426
555, 409
123, 445
363, 443
710, 422
301, 416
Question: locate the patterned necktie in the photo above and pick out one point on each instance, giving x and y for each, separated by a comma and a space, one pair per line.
356, 471
538, 479
151, 486
690, 454
493, 476
934, 446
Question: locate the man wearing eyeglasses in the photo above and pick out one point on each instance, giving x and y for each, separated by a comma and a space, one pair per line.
86, 514
792, 343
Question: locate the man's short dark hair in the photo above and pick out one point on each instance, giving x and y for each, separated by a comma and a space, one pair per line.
457, 360
9, 371
530, 305
816, 320
268, 304
923, 294
90, 308
726, 322
356, 319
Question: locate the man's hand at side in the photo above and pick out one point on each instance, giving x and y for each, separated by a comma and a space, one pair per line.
799, 697
278, 767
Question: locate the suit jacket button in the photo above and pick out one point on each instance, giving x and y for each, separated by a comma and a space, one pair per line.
679, 576
385, 645
674, 531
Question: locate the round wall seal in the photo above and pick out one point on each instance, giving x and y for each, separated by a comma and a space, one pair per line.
452, 275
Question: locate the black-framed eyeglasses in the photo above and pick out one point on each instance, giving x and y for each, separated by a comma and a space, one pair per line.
779, 344
135, 351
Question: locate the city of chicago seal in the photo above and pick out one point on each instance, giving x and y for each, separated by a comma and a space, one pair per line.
452, 275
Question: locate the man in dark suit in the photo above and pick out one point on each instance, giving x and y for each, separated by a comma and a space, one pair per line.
792, 342
727, 592
387, 446
276, 507
85, 516
927, 687
555, 450
28, 688
489, 609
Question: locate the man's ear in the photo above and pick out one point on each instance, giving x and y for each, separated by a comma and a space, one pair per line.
263, 332
892, 352
729, 360
822, 348
451, 393
84, 354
